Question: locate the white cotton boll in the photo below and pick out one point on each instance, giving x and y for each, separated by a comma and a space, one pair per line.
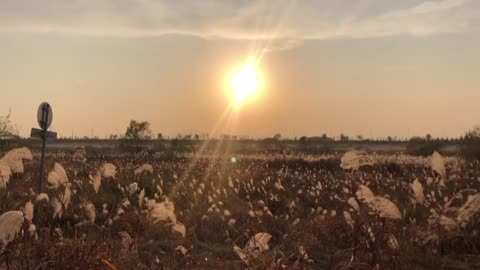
108, 170
230, 183
226, 213
251, 213
29, 211
418, 191
438, 165
353, 203
180, 228
42, 196
14, 159
90, 211
57, 177
10, 225
132, 188
5, 174
364, 193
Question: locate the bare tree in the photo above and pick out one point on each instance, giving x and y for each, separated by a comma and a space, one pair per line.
137, 132
7, 130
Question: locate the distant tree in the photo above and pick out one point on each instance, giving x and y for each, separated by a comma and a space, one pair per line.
138, 131
360, 137
196, 137
7, 131
303, 139
344, 138
390, 139
134, 135
113, 136
277, 136
470, 144
428, 137
187, 137
159, 136
422, 146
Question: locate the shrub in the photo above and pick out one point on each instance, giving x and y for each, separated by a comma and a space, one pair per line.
470, 144
423, 147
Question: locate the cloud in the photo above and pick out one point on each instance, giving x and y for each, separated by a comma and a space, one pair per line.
280, 23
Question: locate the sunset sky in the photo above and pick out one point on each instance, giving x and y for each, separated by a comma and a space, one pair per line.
370, 67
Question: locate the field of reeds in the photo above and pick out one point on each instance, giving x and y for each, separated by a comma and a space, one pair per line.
260, 210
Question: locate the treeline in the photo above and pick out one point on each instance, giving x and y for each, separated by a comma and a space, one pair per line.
139, 137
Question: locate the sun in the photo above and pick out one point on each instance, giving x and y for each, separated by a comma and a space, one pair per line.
245, 83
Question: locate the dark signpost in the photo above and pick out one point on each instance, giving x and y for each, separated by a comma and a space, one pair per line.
44, 119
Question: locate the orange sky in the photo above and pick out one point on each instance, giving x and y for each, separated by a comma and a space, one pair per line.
376, 78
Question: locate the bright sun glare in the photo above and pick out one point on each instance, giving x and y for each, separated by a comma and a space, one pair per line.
245, 83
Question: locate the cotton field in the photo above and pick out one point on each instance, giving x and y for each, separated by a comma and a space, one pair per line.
353, 210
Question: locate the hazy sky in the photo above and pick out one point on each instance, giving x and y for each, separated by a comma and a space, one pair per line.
371, 67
